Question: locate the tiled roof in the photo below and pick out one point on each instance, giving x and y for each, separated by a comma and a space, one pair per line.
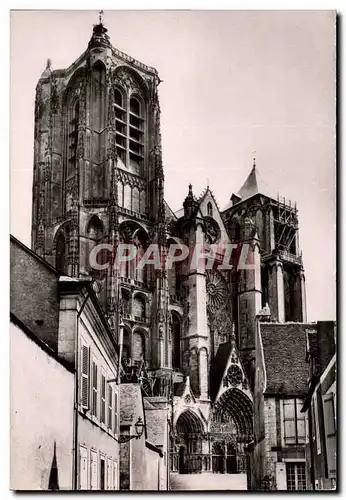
156, 421
284, 350
130, 403
218, 367
253, 185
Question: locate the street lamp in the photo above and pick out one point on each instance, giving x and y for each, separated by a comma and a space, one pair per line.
139, 426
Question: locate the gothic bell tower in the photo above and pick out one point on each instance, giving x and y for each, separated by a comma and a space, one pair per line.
98, 178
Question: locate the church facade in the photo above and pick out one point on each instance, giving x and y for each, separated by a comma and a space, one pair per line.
187, 333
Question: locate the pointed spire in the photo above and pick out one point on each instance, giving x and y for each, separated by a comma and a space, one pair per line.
190, 204
233, 337
99, 36
47, 72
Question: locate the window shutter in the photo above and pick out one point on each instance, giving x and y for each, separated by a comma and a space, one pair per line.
301, 438
115, 475
115, 412
110, 407
317, 424
93, 470
85, 365
103, 399
83, 468
289, 421
330, 433
94, 387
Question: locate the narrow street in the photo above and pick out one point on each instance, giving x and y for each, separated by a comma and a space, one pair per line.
207, 481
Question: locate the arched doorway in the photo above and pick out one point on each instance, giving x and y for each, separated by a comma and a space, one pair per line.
218, 458
232, 419
189, 431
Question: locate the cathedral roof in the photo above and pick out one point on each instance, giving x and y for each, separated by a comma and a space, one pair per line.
218, 367
284, 350
253, 185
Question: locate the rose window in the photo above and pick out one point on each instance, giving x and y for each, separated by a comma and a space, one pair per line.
217, 292
234, 375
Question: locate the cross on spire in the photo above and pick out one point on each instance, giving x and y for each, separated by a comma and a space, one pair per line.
254, 159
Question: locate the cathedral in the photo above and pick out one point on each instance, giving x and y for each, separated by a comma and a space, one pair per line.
187, 334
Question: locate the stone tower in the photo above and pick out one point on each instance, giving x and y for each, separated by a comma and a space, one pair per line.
98, 179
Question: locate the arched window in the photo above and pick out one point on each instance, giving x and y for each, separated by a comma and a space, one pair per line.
139, 307
126, 301
130, 126
210, 209
73, 136
138, 347
126, 347
118, 98
60, 253
176, 336
135, 106
120, 124
136, 134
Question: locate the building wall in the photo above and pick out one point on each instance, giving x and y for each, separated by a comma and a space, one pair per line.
321, 448
42, 395
154, 463
95, 437
34, 294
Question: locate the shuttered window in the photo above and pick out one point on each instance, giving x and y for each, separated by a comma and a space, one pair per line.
317, 424
103, 399
110, 485
294, 422
83, 468
115, 475
93, 470
110, 407
330, 433
115, 412
85, 368
94, 388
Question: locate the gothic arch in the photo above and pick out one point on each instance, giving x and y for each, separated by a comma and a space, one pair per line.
189, 422
127, 338
95, 228
125, 296
176, 325
128, 77
139, 305
60, 247
236, 404
72, 90
194, 371
139, 347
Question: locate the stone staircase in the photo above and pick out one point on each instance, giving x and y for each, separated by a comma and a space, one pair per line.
207, 481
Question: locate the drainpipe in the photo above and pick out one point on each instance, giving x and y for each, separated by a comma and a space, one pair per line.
312, 463
76, 393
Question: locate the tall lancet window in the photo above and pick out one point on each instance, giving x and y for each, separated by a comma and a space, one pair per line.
120, 124
210, 209
97, 181
73, 137
136, 133
130, 129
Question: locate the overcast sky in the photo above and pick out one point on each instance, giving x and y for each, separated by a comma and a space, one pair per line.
234, 82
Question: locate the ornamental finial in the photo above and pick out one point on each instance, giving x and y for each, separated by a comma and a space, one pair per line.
101, 14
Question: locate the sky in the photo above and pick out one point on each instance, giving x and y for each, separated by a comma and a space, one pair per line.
236, 84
